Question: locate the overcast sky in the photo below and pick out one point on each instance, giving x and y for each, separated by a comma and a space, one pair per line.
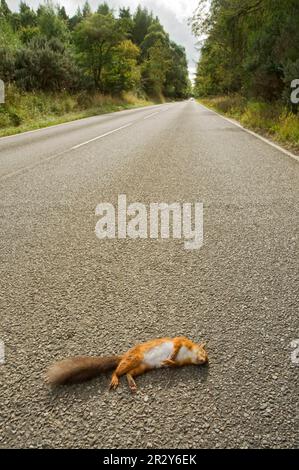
173, 14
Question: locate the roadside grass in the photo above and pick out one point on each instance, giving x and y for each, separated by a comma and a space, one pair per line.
23, 111
272, 120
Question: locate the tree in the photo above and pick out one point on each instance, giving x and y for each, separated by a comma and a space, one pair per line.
104, 9
155, 33
44, 49
62, 13
4, 10
27, 16
126, 21
155, 69
123, 73
8, 37
50, 24
125, 13
95, 39
177, 77
248, 46
9, 42
86, 11
26, 23
76, 19
7, 65
165, 69
45, 65
142, 21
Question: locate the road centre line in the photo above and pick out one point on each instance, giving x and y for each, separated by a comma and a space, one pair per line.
53, 157
68, 123
151, 115
101, 136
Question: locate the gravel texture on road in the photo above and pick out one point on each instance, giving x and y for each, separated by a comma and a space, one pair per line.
64, 292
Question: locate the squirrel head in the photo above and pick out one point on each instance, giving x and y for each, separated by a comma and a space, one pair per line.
201, 354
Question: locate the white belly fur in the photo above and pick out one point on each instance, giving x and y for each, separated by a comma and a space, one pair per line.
155, 356
185, 353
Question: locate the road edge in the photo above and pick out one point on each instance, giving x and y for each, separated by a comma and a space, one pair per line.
254, 134
80, 119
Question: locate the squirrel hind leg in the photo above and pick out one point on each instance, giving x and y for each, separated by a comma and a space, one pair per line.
135, 373
131, 383
114, 382
128, 366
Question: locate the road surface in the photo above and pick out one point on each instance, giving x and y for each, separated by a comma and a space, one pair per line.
64, 292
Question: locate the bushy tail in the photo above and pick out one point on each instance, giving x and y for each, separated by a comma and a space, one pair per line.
79, 369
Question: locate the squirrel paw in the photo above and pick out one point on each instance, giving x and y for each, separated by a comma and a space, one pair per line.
133, 388
114, 383
168, 363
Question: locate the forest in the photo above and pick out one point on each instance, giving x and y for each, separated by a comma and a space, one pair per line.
92, 58
249, 57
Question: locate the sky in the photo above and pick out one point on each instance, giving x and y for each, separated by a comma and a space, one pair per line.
173, 14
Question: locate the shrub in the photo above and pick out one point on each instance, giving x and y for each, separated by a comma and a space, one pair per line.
288, 128
45, 65
273, 118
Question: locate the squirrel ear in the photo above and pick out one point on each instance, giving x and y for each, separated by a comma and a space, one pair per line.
203, 345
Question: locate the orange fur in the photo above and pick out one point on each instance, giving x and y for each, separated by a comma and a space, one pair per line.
163, 352
133, 362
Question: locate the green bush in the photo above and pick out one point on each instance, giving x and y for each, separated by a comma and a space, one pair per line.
4, 118
45, 65
15, 118
84, 100
28, 110
288, 128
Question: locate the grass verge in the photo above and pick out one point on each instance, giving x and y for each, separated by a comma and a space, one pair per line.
23, 112
272, 120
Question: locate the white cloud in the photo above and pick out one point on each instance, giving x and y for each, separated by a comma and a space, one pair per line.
173, 15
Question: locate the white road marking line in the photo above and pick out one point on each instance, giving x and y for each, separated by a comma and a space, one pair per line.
20, 134
150, 115
34, 165
263, 139
52, 157
101, 136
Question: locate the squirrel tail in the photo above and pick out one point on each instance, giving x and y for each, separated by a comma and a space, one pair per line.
79, 369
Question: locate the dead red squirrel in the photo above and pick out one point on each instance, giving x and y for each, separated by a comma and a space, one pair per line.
164, 352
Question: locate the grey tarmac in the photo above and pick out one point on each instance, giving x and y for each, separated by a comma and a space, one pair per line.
64, 292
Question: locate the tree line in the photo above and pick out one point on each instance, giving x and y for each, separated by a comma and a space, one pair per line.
48, 50
250, 47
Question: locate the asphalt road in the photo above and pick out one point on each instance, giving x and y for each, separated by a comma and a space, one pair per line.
64, 292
